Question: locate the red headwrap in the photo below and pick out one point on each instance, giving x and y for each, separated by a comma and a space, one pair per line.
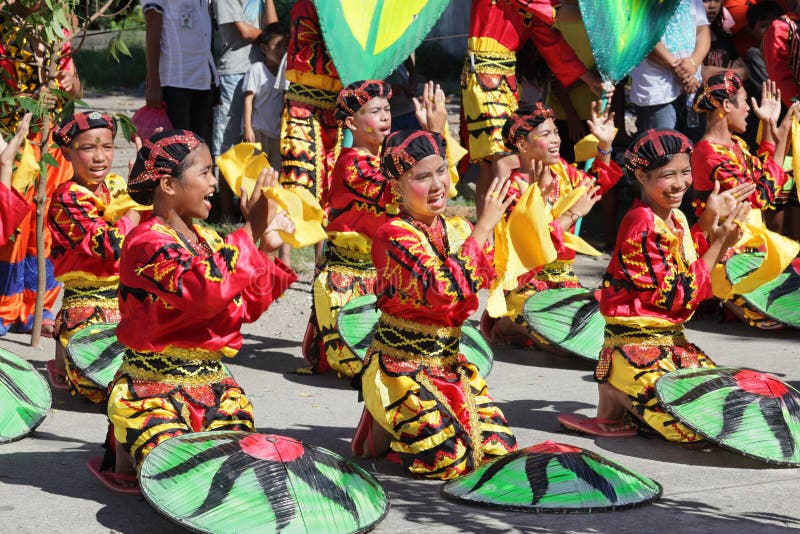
160, 156
523, 121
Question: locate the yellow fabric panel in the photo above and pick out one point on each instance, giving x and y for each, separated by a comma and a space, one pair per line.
27, 169
351, 241
454, 152
120, 200
241, 165
304, 211
358, 15
395, 19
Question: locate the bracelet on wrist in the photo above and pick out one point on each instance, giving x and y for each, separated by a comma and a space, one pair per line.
604, 152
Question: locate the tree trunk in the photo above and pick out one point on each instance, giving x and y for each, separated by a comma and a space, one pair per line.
41, 202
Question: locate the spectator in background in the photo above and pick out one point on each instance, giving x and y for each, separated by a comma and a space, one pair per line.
722, 55
759, 19
660, 84
239, 25
263, 94
779, 47
180, 66
403, 80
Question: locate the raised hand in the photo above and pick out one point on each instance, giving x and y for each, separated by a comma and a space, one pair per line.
586, 202
259, 211
495, 204
729, 232
137, 141
770, 107
602, 125
11, 149
720, 205
431, 111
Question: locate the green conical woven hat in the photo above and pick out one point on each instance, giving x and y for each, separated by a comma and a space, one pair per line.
247, 482
553, 477
778, 299
96, 353
358, 319
747, 411
569, 318
25, 397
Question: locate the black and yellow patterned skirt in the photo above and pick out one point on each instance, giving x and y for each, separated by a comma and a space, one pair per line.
634, 358
157, 396
85, 303
432, 401
345, 275
488, 96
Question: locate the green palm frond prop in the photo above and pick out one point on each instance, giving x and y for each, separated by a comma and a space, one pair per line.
623, 32
367, 39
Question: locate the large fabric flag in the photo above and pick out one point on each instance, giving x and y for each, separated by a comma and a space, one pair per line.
623, 32
367, 39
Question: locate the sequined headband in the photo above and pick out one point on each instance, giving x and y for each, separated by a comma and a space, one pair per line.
355, 95
715, 90
403, 149
82, 122
523, 121
159, 156
654, 147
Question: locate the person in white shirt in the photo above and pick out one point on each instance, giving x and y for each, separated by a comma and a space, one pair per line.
180, 66
661, 83
263, 91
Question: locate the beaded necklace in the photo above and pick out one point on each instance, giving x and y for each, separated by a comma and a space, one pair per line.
435, 233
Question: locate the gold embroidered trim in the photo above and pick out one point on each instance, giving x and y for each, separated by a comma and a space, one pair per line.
427, 329
311, 95
650, 336
423, 359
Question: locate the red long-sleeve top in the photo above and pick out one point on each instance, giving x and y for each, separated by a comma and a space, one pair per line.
307, 59
654, 272
359, 194
733, 164
13, 210
512, 22
430, 275
86, 242
172, 293
776, 48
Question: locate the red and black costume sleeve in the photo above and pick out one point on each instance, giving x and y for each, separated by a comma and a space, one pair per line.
13, 210
360, 194
179, 294
712, 162
644, 277
432, 288
781, 50
82, 239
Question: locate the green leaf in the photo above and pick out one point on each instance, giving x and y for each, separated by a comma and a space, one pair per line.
126, 125
123, 48
48, 159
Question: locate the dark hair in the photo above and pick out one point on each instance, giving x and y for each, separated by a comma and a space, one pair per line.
271, 30
763, 11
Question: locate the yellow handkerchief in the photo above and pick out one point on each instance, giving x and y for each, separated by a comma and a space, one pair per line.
304, 211
120, 200
27, 169
454, 153
241, 166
